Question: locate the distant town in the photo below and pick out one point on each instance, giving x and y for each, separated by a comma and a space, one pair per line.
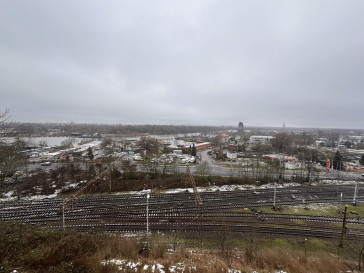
306, 153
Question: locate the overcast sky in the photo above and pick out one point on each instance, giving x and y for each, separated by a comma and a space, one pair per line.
200, 62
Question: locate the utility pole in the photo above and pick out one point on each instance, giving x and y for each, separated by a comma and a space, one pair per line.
63, 219
231, 167
110, 180
198, 203
275, 194
305, 241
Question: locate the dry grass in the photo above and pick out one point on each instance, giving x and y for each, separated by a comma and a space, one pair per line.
34, 249
267, 260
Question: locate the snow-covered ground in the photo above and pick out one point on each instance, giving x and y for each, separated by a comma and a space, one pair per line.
11, 196
216, 188
8, 196
335, 182
232, 187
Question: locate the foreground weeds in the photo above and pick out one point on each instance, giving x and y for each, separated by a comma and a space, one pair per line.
35, 249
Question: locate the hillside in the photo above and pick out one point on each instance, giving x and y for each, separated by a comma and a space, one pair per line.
30, 249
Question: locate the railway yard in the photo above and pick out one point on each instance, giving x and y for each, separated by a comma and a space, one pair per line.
237, 211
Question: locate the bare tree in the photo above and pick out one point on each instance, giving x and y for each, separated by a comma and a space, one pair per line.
174, 238
282, 142
42, 143
68, 143
10, 156
240, 170
107, 145
166, 167
226, 245
356, 248
251, 248
128, 169
203, 168
151, 167
5, 128
151, 145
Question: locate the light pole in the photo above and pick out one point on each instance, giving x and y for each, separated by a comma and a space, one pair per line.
275, 194
148, 220
305, 247
355, 194
341, 199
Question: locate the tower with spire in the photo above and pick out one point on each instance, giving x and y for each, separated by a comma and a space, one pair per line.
241, 128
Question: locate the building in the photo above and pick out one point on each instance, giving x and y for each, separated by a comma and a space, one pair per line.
280, 157
241, 128
198, 146
223, 138
262, 139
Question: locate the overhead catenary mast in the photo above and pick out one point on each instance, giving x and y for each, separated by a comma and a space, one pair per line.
198, 202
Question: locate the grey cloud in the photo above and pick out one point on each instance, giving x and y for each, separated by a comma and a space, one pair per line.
200, 62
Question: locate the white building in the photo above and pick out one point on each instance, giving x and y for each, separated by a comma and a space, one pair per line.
257, 139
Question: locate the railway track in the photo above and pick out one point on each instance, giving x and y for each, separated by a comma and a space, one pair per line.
221, 210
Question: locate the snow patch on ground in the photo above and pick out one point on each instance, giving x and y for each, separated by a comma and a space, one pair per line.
334, 182
320, 207
8, 196
41, 197
156, 267
71, 185
232, 188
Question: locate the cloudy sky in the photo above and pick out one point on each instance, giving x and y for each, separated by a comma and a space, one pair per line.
201, 62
